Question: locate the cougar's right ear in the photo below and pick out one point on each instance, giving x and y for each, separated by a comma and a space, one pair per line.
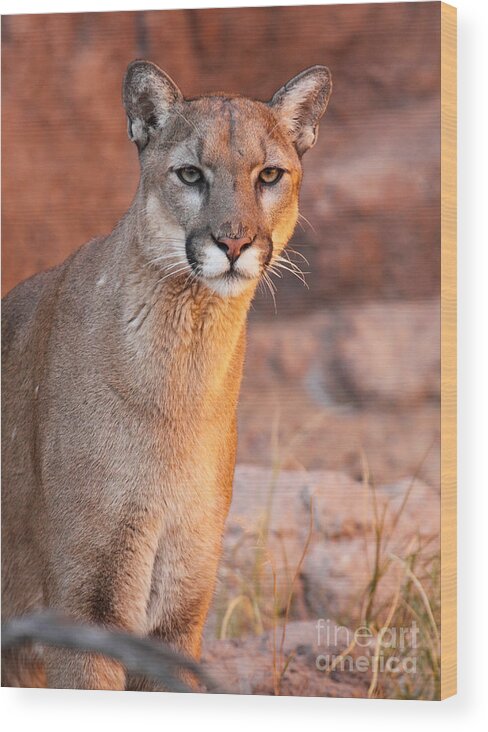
148, 95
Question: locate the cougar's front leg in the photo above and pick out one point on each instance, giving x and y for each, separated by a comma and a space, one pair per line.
184, 634
73, 670
106, 585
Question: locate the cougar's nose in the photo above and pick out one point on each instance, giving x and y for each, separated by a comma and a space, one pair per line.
233, 248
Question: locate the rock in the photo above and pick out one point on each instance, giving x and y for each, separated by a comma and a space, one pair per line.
387, 354
323, 389
339, 563
266, 532
293, 426
270, 550
253, 665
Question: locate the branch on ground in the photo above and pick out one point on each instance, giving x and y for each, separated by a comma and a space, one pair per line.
140, 656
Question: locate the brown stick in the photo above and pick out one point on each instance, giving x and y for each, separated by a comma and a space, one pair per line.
140, 656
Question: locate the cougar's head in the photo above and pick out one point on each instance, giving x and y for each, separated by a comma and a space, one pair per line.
220, 174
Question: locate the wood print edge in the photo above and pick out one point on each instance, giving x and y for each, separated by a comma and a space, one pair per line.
448, 353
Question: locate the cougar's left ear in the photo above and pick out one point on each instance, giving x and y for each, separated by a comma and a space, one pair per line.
301, 103
148, 94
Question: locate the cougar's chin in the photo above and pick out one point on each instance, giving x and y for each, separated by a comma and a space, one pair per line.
229, 284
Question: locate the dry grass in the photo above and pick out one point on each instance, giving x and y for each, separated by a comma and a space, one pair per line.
280, 662
244, 606
402, 586
416, 598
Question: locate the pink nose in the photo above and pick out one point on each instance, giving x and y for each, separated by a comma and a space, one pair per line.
233, 248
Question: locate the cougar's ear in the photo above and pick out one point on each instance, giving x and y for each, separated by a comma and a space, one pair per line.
301, 103
148, 94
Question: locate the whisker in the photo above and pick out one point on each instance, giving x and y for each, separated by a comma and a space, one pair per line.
294, 270
172, 260
301, 216
298, 274
295, 251
172, 268
168, 258
288, 263
172, 274
271, 287
280, 258
192, 277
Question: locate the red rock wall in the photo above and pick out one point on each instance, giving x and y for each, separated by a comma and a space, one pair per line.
371, 189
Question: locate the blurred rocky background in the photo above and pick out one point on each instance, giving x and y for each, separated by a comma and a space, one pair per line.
341, 387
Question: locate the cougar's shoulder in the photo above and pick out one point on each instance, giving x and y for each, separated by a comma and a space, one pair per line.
34, 300
21, 305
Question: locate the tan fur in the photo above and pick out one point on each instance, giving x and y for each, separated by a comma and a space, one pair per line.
121, 375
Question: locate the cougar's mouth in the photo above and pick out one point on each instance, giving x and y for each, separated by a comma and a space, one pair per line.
231, 274
230, 283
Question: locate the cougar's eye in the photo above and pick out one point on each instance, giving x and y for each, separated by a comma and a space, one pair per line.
190, 175
270, 176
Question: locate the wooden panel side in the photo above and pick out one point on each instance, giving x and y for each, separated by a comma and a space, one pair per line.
448, 353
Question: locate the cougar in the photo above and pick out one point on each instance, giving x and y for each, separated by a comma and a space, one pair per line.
121, 374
